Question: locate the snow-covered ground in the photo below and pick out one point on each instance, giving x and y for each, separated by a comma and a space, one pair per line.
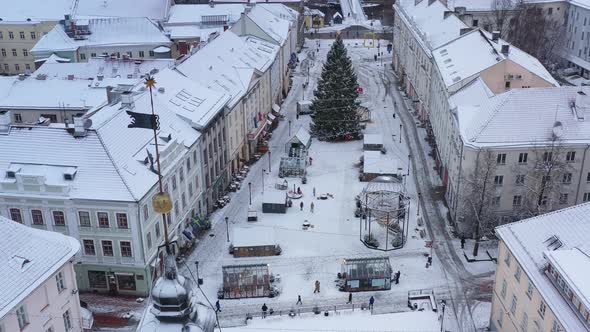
316, 253
347, 321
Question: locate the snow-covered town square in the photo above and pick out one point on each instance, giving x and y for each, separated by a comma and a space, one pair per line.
294, 165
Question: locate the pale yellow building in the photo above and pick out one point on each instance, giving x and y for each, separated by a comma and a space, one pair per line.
542, 279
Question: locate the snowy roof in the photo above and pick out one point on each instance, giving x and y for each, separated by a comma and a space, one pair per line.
302, 135
498, 120
274, 197
527, 241
259, 53
376, 163
216, 66
373, 139
105, 32
205, 14
253, 236
580, 3
107, 67
6, 83
52, 94
487, 5
275, 27
29, 257
20, 11
281, 11
428, 22
190, 100
313, 12
153, 9
573, 266
191, 32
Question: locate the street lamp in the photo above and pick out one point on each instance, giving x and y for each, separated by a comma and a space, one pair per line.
198, 279
250, 191
400, 132
419, 199
289, 127
227, 227
409, 164
263, 171
269, 168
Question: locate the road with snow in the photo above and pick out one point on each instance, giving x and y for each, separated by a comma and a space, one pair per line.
318, 258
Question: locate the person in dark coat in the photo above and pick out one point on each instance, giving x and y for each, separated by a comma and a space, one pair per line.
299, 300
217, 306
317, 287
264, 309
397, 275
301, 206
349, 298
371, 302
462, 243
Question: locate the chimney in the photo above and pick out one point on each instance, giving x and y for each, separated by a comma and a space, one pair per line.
127, 99
79, 127
70, 77
460, 10
5, 122
112, 96
447, 13
505, 49
211, 3
464, 31
495, 36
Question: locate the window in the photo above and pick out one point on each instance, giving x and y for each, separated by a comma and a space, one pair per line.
507, 85
181, 174
529, 290
1, 37
197, 182
6, 67
520, 179
513, 304
37, 216
524, 323
10, 35
547, 156
97, 279
15, 215
205, 156
563, 198
141, 54
570, 156
14, 52
59, 218
188, 164
107, 248
17, 67
517, 200
21, 315
173, 182
545, 179
500, 317
149, 240
183, 199
25, 52
585, 199
176, 209
503, 291
496, 201
67, 320
27, 66
4, 53
544, 200
84, 218
22, 35
588, 177
542, 308
125, 247
555, 327
89, 249
550, 11
130, 54
50, 329
567, 178
122, 221
518, 273
93, 55
18, 118
157, 230
501, 159
507, 259
151, 53
195, 157
475, 23
82, 56
499, 180
103, 219
60, 281
190, 190
33, 35
146, 212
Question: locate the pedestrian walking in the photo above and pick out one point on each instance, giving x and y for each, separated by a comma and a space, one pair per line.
317, 287
394, 115
301, 206
311, 206
297, 115
264, 309
217, 306
349, 298
310, 161
313, 191
462, 243
371, 302
299, 300
397, 275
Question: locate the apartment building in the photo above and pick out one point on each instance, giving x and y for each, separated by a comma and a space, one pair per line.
541, 273
576, 52
94, 179
39, 291
77, 40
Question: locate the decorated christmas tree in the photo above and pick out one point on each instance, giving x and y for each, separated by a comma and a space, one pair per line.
334, 104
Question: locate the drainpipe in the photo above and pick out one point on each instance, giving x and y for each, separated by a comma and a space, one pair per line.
457, 192
148, 274
581, 171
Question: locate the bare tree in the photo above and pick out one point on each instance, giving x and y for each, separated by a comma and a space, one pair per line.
535, 32
545, 180
478, 206
502, 11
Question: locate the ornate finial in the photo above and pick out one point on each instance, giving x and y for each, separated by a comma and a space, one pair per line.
150, 81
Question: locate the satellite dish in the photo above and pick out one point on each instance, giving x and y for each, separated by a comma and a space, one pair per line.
87, 123
557, 129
